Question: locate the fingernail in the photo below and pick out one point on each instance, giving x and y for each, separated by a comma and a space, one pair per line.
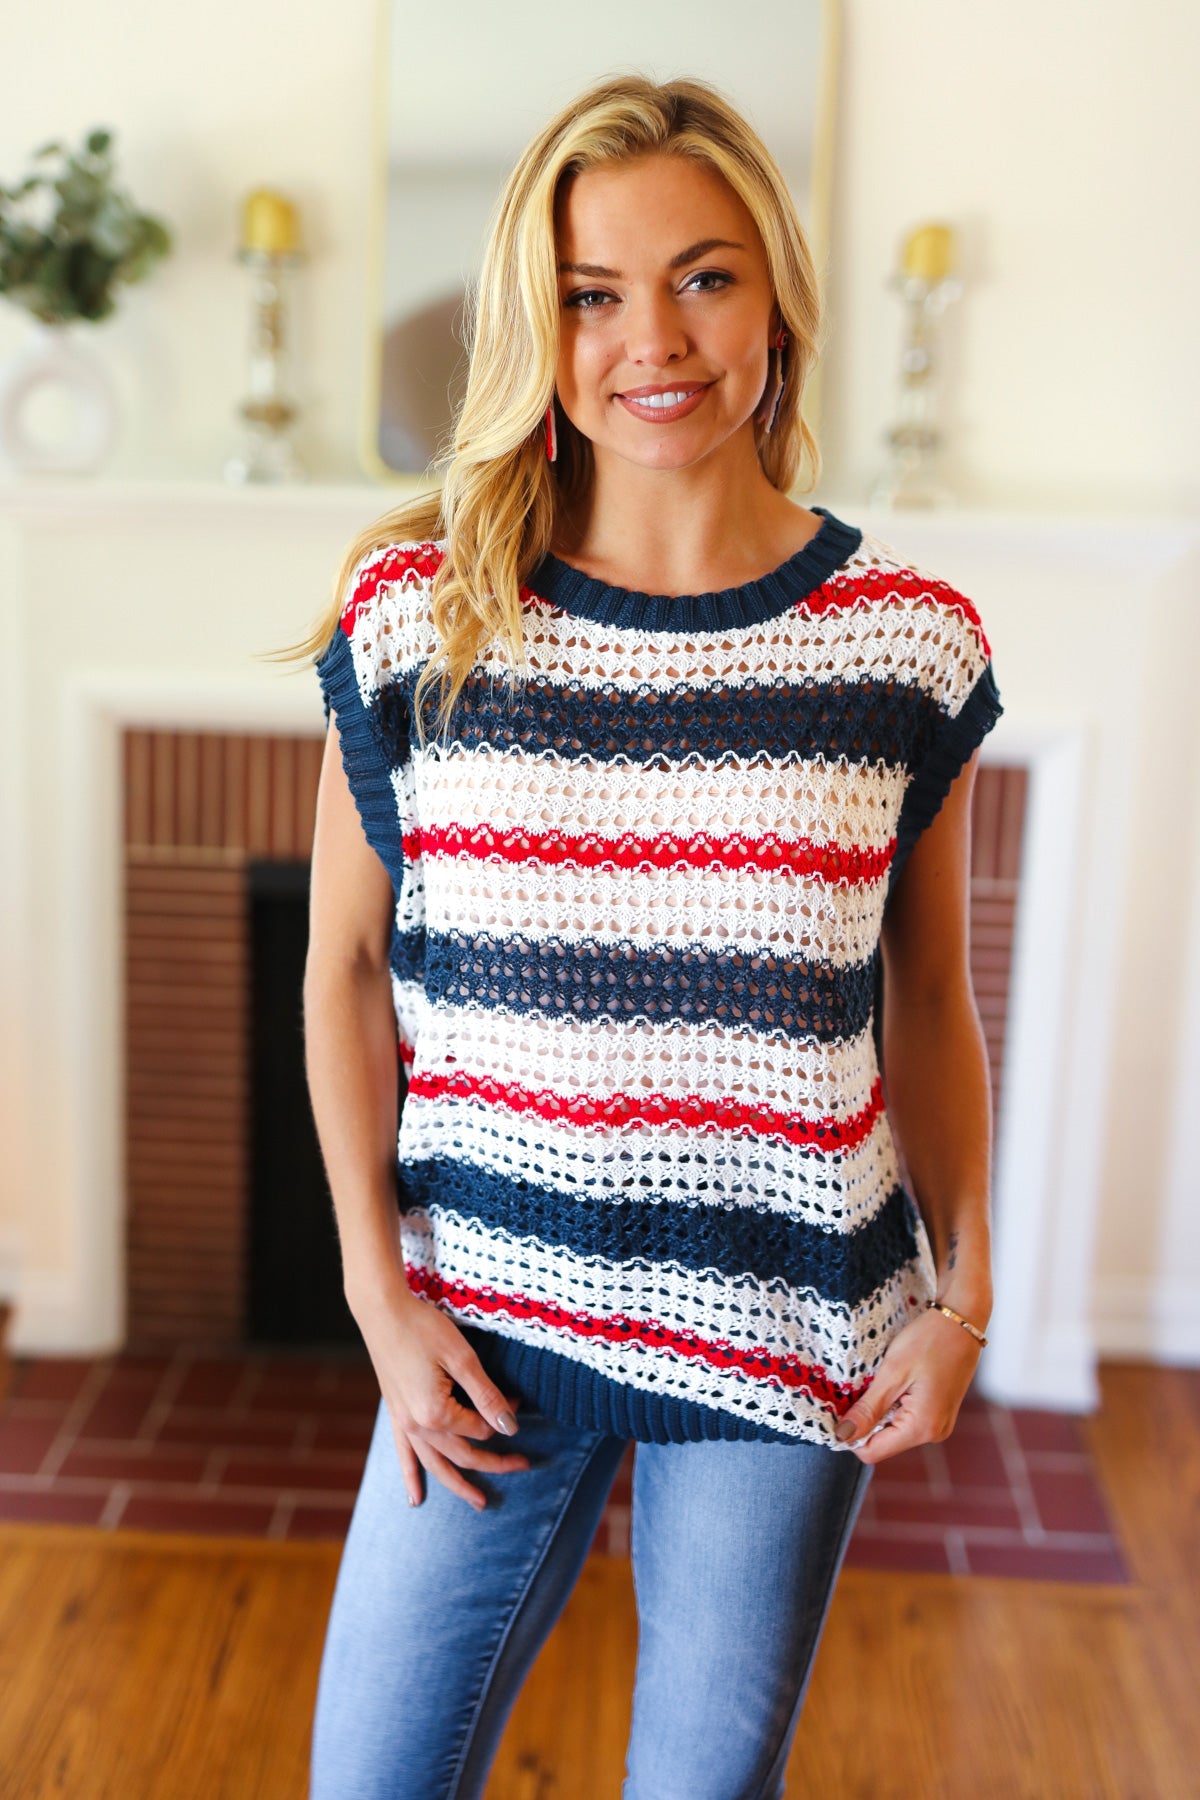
844, 1429
412, 1499
506, 1423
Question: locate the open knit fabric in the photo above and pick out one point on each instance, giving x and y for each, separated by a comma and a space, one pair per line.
644, 1160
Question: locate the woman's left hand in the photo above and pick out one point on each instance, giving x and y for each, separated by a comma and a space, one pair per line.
923, 1375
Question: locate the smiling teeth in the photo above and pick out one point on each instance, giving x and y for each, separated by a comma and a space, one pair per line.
659, 401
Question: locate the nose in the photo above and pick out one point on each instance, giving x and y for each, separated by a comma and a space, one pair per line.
654, 332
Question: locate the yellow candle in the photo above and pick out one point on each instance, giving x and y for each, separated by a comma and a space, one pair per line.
929, 253
269, 223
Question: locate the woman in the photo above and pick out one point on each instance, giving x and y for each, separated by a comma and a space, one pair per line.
702, 771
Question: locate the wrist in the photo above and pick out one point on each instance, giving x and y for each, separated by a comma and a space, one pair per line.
376, 1286
972, 1298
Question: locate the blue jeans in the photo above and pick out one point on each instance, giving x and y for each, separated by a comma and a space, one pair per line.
439, 1611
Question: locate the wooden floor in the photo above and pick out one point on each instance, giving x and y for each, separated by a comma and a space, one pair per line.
147, 1667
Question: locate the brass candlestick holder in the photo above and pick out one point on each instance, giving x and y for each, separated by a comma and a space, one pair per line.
927, 285
270, 249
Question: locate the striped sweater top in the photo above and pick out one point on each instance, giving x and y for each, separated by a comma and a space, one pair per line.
644, 1160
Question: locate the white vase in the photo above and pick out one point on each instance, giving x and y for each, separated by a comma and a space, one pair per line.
59, 412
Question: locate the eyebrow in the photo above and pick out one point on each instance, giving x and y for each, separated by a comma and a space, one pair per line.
676, 262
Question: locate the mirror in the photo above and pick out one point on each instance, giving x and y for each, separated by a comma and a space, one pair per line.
444, 147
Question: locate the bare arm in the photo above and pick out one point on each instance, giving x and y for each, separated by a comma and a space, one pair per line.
935, 1059
351, 1059
350, 1039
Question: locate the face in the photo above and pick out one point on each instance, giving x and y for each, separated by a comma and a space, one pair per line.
666, 311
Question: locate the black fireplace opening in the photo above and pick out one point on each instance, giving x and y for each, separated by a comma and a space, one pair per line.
294, 1294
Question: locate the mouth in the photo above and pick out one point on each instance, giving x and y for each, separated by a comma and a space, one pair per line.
661, 404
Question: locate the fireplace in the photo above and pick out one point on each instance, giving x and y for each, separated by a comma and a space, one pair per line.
230, 1234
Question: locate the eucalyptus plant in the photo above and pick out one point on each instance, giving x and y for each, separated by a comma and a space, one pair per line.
68, 236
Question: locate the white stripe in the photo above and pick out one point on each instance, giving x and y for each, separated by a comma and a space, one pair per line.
920, 642
923, 644
655, 1165
746, 1314
716, 910
677, 1058
410, 1003
849, 804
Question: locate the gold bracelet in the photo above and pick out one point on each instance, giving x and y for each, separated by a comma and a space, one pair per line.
951, 1314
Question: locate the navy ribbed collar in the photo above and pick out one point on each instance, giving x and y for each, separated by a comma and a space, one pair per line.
569, 588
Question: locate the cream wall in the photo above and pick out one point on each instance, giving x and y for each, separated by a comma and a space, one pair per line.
1062, 141
1060, 135
1063, 137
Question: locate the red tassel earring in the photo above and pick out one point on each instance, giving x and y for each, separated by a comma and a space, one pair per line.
771, 406
551, 435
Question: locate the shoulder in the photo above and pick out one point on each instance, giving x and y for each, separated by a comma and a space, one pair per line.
382, 577
934, 632
385, 624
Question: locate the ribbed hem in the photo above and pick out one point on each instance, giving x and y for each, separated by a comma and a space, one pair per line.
363, 756
577, 1395
772, 594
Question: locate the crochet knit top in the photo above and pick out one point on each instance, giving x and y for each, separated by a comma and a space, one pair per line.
644, 1160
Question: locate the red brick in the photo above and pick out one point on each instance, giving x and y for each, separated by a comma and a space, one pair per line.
49, 1377
217, 1430
985, 1507
973, 1459
52, 1508
1032, 1562
927, 1555
161, 1512
320, 1522
211, 1382
1043, 1430
24, 1443
277, 1472
1069, 1500
151, 1464
116, 1416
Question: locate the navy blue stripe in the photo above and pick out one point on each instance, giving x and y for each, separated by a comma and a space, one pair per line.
843, 1268
406, 956
861, 720
767, 597
764, 990
546, 1380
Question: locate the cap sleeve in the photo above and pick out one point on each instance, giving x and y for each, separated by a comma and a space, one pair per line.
962, 706
357, 677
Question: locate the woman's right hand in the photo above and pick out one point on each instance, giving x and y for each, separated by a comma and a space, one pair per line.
417, 1352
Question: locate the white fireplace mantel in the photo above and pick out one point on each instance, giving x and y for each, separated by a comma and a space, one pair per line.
145, 604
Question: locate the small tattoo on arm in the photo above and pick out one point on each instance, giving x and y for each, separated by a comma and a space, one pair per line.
953, 1249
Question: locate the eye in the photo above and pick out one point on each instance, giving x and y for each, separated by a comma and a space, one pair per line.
710, 275
583, 297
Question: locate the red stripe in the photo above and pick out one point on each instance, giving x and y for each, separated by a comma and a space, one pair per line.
656, 1109
787, 1371
393, 565
591, 850
896, 587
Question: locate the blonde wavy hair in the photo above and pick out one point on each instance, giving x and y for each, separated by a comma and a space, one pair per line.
498, 503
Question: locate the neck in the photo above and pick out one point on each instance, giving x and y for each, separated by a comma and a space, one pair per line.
716, 524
